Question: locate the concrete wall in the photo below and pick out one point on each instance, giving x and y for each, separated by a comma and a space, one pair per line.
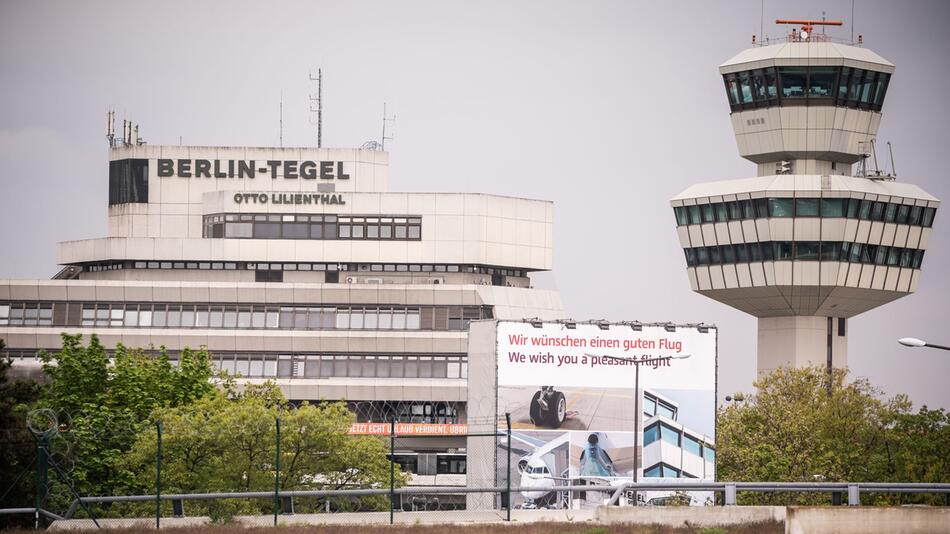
866, 520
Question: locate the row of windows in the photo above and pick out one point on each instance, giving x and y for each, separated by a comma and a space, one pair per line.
662, 470
811, 85
278, 226
760, 208
654, 406
445, 464
431, 412
295, 266
453, 318
690, 444
805, 251
264, 365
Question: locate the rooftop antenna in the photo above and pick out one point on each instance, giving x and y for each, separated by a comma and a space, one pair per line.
385, 120
761, 20
282, 118
318, 98
807, 27
893, 165
110, 128
852, 21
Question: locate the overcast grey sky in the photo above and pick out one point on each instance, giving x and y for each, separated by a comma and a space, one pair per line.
606, 108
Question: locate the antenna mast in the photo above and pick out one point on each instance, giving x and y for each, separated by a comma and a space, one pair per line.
385, 120
318, 98
281, 119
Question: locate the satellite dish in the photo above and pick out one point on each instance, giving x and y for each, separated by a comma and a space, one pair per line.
804, 34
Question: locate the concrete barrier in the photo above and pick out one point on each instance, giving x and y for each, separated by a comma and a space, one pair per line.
866, 520
692, 516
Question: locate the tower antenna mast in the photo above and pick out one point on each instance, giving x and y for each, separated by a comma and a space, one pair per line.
281, 128
385, 120
318, 98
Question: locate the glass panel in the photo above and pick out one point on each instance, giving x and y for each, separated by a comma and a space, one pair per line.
783, 250
793, 80
864, 210
915, 214
707, 210
822, 82
843, 85
832, 207
748, 210
742, 253
806, 207
722, 214
238, 230
882, 81
853, 204
266, 230
877, 211
653, 472
665, 410
691, 445
903, 213
928, 217
669, 435
735, 211
745, 87
830, 251
694, 216
806, 250
890, 213
651, 434
296, 230
649, 406
732, 88
780, 207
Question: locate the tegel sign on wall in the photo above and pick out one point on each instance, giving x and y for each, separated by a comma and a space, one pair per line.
239, 168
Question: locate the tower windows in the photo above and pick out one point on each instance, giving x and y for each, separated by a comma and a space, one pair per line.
806, 85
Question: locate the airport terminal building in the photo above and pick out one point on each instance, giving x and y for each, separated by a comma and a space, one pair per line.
296, 265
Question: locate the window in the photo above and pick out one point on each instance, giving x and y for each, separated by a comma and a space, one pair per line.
709, 454
793, 81
806, 250
806, 207
707, 211
691, 445
822, 82
783, 250
833, 207
722, 212
666, 410
651, 434
694, 216
649, 406
780, 207
128, 181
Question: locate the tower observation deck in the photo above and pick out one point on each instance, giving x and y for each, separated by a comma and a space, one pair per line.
814, 238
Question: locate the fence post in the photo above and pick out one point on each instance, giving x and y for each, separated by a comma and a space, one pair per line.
42, 480
508, 472
392, 468
730, 496
277, 472
854, 495
158, 475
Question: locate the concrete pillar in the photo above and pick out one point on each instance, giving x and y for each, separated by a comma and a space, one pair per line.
801, 341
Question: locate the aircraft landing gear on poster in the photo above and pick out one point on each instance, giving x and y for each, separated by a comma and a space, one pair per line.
548, 408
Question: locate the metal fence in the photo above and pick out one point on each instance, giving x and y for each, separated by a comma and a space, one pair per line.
464, 476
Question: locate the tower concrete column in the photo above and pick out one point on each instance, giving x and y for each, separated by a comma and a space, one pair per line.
801, 341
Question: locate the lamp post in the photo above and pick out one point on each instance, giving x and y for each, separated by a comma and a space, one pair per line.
636, 402
914, 342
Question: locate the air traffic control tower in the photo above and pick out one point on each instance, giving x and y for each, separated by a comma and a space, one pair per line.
820, 234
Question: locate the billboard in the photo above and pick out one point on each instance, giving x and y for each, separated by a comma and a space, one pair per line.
604, 404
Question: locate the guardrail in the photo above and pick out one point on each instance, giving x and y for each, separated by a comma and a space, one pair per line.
728, 489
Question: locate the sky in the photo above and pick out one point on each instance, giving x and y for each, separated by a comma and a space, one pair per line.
608, 109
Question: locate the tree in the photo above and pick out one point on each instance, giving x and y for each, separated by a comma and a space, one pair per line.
103, 404
228, 443
793, 430
17, 448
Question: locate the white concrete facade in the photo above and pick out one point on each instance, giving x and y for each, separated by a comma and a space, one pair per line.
375, 316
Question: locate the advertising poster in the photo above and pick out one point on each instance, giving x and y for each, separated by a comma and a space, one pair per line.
574, 392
